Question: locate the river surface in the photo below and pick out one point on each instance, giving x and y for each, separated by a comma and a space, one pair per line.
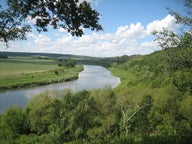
91, 77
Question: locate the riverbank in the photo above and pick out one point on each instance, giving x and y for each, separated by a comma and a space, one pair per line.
28, 72
40, 78
92, 77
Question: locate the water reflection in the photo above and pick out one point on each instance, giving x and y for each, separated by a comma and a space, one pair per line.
91, 77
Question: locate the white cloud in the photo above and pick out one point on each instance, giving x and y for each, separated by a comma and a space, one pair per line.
132, 31
127, 40
31, 35
42, 39
168, 22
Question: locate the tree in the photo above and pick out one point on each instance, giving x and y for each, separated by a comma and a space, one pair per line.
182, 40
39, 112
167, 38
187, 19
10, 29
12, 124
71, 15
139, 120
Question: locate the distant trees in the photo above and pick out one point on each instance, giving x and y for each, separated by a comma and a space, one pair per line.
66, 62
71, 15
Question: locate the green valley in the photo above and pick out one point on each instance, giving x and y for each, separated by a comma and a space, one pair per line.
151, 105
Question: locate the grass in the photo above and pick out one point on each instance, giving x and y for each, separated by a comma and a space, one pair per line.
30, 71
17, 65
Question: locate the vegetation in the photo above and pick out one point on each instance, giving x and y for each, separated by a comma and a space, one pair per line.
66, 62
151, 105
167, 38
31, 71
71, 15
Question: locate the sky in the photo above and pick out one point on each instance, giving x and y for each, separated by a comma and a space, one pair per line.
127, 25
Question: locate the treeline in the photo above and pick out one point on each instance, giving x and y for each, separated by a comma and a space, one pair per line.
106, 61
66, 62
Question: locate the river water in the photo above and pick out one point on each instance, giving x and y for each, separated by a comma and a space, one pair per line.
91, 77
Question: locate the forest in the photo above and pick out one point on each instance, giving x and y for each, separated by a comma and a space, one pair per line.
153, 104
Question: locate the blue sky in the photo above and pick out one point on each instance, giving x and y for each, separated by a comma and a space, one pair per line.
127, 28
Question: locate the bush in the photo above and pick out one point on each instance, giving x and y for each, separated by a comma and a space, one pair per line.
56, 72
59, 64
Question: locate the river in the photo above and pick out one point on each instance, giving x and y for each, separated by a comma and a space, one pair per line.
91, 77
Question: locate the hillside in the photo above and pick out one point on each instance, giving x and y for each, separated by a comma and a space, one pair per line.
153, 104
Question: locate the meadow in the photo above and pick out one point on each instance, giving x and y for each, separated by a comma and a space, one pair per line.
32, 71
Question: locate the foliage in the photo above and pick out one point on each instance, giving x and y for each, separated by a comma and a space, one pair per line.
67, 62
164, 84
151, 105
9, 26
71, 15
167, 38
184, 19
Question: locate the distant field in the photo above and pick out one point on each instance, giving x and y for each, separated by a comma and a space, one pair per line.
29, 71
17, 65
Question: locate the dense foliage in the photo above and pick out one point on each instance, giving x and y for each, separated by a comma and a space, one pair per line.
153, 104
162, 81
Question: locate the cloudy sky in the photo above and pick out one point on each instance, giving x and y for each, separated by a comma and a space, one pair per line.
127, 28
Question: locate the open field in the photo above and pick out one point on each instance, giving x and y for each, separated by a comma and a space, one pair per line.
17, 65
29, 71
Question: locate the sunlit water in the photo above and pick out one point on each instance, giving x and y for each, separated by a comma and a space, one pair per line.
91, 77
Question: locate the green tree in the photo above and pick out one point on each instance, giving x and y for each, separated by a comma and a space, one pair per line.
12, 124
71, 15
186, 109
39, 113
184, 19
140, 122
186, 40
106, 114
167, 38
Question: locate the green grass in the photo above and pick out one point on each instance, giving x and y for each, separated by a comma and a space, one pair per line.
29, 71
17, 65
